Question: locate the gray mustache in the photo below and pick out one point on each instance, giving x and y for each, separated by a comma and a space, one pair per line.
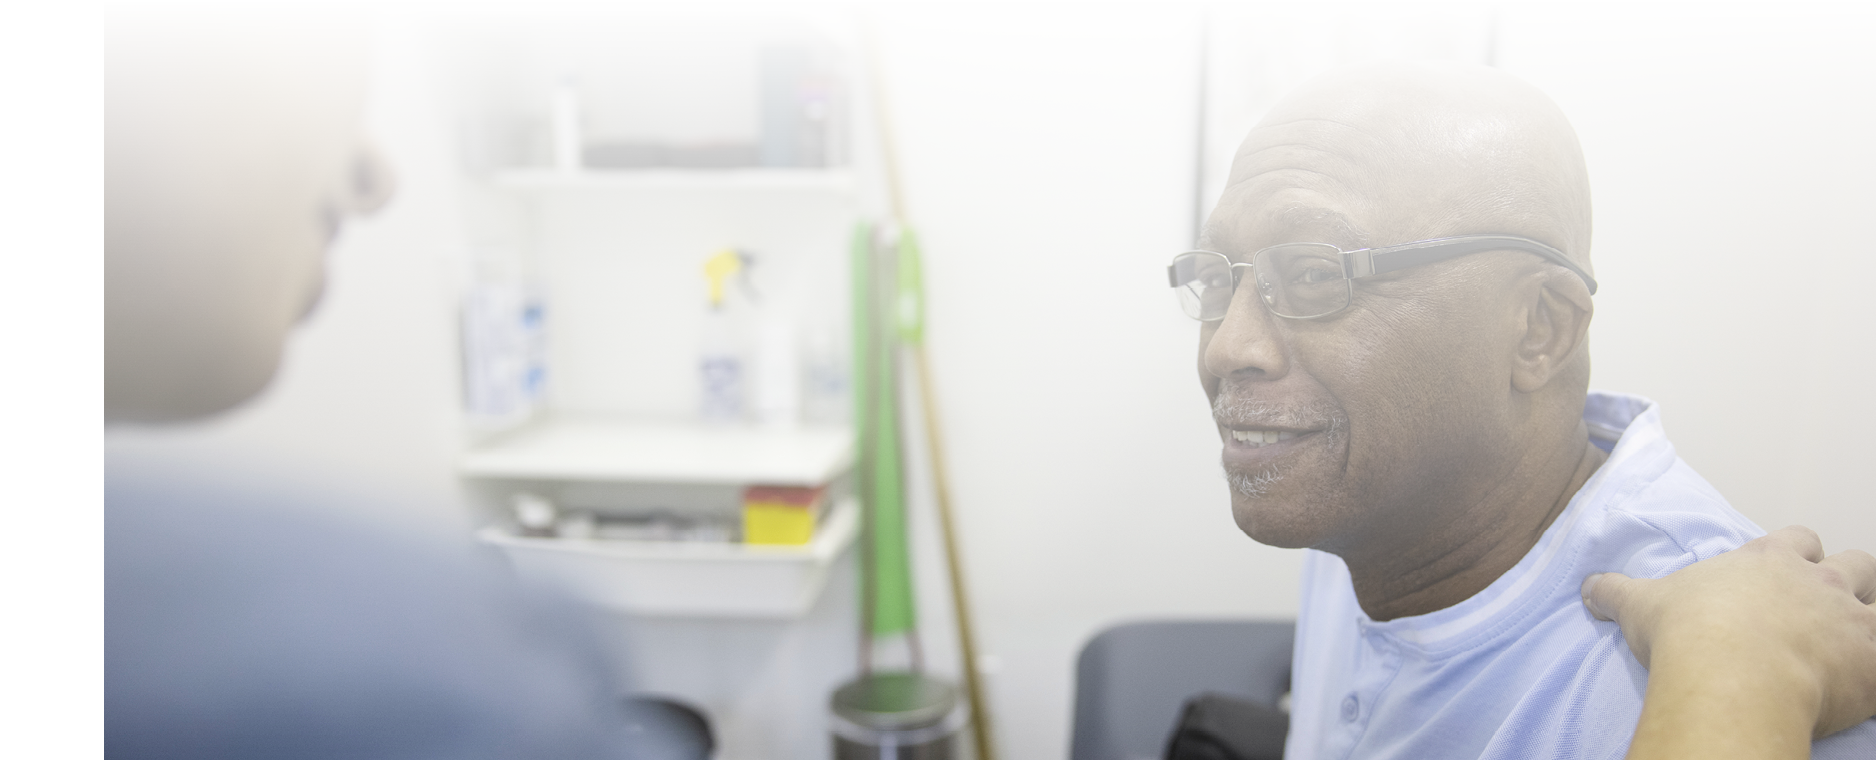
1237, 410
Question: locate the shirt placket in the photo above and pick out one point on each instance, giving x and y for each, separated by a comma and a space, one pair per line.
1377, 662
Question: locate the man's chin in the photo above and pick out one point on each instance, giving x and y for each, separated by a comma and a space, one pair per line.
1272, 520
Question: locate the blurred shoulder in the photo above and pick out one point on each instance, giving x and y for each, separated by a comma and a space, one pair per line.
243, 620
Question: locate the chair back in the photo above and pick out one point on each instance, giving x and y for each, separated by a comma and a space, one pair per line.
1131, 679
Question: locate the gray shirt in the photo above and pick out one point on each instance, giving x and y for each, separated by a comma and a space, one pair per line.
242, 622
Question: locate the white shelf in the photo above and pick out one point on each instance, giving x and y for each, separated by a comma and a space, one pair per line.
663, 452
828, 180
686, 579
826, 19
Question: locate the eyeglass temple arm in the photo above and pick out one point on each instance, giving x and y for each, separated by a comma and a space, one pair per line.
1378, 260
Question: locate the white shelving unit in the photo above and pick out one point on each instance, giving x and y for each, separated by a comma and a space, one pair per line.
832, 23
687, 579
663, 452
822, 180
621, 252
674, 578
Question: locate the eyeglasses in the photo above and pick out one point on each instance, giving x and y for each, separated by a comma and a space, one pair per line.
1309, 280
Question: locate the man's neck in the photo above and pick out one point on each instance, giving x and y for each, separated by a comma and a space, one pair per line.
1448, 563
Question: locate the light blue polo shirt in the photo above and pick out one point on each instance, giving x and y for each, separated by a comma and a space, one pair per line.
1520, 670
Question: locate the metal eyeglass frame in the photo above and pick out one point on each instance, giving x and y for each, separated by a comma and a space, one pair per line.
1367, 262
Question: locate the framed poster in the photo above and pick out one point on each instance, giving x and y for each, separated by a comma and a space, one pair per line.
1252, 54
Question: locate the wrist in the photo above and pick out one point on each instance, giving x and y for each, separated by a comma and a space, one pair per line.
1729, 693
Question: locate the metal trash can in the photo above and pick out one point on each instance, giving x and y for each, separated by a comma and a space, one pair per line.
896, 716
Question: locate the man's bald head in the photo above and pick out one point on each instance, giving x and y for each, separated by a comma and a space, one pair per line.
1409, 410
1425, 151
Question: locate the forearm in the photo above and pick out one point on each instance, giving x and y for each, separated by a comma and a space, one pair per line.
1716, 694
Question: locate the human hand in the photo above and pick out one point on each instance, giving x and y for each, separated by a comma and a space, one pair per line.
1774, 618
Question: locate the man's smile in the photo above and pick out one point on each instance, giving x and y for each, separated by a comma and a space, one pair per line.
1258, 434
1257, 449
1256, 438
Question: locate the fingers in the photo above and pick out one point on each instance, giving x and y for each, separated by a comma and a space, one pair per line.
1856, 569
1604, 594
1795, 538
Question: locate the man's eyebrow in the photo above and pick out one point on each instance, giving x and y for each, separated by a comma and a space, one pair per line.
1207, 235
1340, 230
1343, 231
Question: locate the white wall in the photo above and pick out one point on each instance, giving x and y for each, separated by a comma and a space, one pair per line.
1734, 174
1048, 157
1048, 154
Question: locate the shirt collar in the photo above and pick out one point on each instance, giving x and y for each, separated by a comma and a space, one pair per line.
1631, 428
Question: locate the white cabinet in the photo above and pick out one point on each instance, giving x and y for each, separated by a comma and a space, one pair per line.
620, 258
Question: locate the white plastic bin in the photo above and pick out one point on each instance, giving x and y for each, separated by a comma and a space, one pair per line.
686, 579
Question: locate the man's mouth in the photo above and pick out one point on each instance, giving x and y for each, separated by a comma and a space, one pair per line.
1256, 438
1257, 434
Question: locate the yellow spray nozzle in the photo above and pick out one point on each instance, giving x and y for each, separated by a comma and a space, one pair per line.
719, 269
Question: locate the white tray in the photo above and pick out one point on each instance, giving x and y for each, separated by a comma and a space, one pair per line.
625, 450
686, 579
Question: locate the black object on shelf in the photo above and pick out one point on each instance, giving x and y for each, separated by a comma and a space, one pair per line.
777, 68
665, 729
717, 154
625, 156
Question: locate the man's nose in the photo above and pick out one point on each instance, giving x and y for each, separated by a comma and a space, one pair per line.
1246, 343
369, 182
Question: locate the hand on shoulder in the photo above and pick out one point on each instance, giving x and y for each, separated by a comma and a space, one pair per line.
1746, 646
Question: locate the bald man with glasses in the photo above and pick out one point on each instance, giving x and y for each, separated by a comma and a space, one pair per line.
1394, 294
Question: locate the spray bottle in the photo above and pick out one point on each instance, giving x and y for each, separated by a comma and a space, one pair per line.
723, 358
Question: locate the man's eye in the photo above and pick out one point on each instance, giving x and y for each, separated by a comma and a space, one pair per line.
1315, 275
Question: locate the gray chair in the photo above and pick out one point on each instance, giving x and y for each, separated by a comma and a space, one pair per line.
1131, 679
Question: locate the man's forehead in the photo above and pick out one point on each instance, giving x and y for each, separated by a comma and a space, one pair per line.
1336, 144
1302, 180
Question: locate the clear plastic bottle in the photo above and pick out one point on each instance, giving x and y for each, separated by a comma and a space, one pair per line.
567, 119
825, 378
721, 369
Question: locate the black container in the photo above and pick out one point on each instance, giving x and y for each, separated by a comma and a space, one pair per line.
623, 156
666, 729
717, 156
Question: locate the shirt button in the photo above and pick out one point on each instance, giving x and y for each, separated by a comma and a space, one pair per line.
1351, 709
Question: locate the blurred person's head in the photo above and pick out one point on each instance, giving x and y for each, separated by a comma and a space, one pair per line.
232, 152
1436, 382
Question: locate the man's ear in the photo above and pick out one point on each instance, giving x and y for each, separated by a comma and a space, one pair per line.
1556, 327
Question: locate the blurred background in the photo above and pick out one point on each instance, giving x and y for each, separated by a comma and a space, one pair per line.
567, 172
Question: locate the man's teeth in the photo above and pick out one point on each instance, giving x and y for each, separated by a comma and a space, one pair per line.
1261, 437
